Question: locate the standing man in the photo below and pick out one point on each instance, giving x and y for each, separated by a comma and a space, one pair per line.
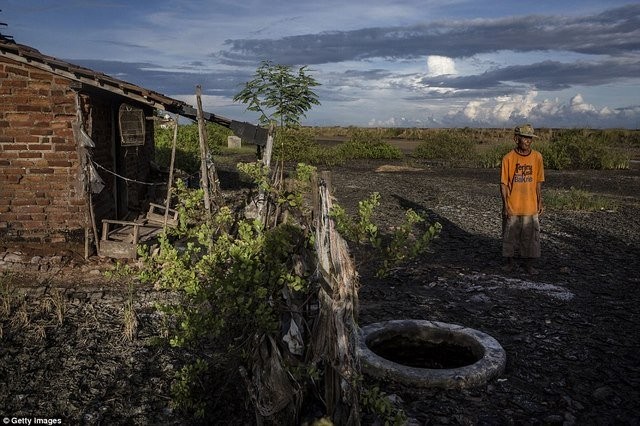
521, 189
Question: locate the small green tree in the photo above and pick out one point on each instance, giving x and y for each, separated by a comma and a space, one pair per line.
279, 94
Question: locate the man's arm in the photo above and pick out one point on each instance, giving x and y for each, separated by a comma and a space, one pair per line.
504, 193
539, 197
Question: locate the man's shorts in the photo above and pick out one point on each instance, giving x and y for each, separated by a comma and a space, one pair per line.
521, 235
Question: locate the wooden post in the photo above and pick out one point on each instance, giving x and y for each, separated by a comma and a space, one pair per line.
268, 149
266, 160
204, 153
173, 159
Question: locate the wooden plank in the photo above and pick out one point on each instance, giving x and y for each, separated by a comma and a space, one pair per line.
118, 250
158, 214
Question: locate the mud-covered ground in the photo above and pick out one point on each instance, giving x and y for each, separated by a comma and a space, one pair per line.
570, 333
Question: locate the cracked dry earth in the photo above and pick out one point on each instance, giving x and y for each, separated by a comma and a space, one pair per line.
570, 333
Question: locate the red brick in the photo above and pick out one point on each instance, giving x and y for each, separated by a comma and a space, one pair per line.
34, 108
17, 116
65, 148
52, 155
61, 80
63, 171
9, 155
14, 147
14, 83
58, 163
11, 171
29, 163
39, 147
59, 140
39, 85
60, 187
45, 171
27, 209
22, 202
17, 71
29, 139
39, 75
30, 154
55, 210
32, 225
41, 124
41, 131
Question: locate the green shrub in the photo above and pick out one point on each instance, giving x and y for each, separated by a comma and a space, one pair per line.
577, 200
296, 144
446, 146
582, 149
407, 241
367, 144
299, 145
492, 157
188, 145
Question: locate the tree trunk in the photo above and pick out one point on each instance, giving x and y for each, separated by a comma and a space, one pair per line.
335, 331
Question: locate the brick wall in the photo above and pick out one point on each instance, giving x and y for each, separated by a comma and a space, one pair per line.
41, 191
41, 197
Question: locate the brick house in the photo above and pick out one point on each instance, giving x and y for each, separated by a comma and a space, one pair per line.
51, 113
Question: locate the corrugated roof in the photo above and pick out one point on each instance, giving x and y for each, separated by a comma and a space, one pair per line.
33, 57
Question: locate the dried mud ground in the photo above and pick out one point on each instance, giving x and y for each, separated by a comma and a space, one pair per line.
570, 333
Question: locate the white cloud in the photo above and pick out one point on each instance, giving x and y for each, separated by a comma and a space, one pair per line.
507, 110
209, 102
440, 65
579, 105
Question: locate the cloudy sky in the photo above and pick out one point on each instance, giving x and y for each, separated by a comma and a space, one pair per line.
424, 63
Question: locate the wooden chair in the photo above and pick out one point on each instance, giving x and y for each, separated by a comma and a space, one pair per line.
122, 242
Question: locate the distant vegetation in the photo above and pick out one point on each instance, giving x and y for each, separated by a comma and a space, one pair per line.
188, 145
300, 145
563, 149
577, 200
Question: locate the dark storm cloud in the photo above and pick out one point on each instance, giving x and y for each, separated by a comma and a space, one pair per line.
170, 82
373, 74
615, 31
122, 44
546, 75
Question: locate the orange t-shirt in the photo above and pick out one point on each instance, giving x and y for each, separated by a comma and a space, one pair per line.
521, 174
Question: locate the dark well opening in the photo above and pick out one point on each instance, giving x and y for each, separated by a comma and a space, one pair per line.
420, 353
